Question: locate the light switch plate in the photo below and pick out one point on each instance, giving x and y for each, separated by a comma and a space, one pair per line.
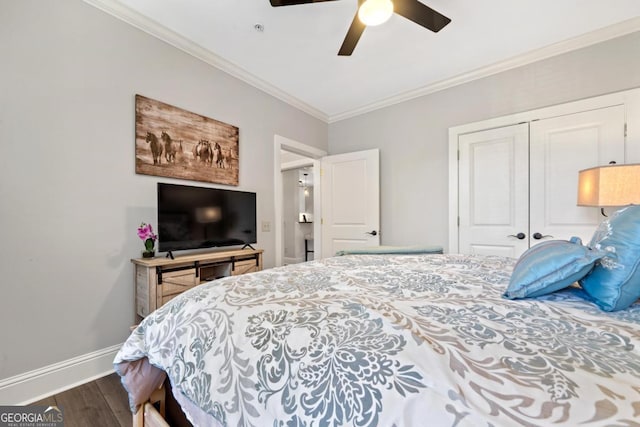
266, 226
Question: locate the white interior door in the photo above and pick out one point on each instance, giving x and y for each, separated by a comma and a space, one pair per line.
494, 191
350, 201
559, 148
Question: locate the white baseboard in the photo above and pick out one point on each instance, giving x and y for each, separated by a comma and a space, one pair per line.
34, 385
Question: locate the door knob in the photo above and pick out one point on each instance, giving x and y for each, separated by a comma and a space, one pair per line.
373, 233
519, 235
539, 236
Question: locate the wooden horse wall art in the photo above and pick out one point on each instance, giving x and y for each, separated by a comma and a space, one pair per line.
176, 143
155, 146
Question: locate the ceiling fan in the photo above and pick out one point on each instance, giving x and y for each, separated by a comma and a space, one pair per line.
374, 12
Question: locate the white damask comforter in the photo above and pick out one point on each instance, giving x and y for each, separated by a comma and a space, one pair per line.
388, 340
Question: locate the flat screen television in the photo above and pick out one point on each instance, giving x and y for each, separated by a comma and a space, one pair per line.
198, 217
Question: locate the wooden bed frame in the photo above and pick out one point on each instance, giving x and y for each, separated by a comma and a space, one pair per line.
147, 415
161, 410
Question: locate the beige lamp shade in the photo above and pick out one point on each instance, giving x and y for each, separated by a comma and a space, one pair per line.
611, 185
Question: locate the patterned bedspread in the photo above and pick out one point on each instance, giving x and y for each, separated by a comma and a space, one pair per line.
388, 340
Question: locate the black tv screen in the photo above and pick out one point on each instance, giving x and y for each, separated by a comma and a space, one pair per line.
198, 217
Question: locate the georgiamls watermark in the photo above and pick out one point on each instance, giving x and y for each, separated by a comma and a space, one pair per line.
31, 416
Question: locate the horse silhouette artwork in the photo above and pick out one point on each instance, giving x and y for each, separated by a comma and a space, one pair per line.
218, 155
180, 152
184, 145
169, 149
227, 158
202, 150
156, 147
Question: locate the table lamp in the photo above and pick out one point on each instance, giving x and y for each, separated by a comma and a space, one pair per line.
610, 185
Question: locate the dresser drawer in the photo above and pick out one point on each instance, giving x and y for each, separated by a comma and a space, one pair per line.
245, 266
175, 282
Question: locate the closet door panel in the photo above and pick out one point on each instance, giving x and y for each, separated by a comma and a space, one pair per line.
493, 191
559, 148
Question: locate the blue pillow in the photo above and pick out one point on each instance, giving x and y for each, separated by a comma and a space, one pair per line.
549, 267
614, 283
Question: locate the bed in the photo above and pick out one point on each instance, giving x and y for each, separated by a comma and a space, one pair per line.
388, 340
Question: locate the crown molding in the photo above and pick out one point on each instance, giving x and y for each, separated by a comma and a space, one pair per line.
606, 33
149, 26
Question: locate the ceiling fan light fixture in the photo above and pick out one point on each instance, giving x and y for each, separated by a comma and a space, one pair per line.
375, 12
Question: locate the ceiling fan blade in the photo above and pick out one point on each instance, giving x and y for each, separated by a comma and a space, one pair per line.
353, 35
421, 14
276, 3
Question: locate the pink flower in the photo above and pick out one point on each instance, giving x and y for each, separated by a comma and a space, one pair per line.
145, 232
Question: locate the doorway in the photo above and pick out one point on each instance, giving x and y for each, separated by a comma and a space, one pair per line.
297, 209
292, 159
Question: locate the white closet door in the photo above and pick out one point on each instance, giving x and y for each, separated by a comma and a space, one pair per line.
494, 191
559, 148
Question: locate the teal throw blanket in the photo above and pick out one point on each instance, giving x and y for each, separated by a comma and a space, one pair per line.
396, 250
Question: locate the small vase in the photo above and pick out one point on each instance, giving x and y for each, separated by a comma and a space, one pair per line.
148, 254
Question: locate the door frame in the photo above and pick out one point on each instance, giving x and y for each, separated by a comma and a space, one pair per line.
630, 99
286, 144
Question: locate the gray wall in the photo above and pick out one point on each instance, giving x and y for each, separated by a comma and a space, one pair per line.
70, 200
413, 136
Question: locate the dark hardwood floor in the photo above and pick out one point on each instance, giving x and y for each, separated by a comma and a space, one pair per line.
102, 402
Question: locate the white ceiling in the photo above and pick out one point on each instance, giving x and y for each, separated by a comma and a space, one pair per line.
295, 57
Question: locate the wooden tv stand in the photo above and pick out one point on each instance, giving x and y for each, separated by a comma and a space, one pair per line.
159, 280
